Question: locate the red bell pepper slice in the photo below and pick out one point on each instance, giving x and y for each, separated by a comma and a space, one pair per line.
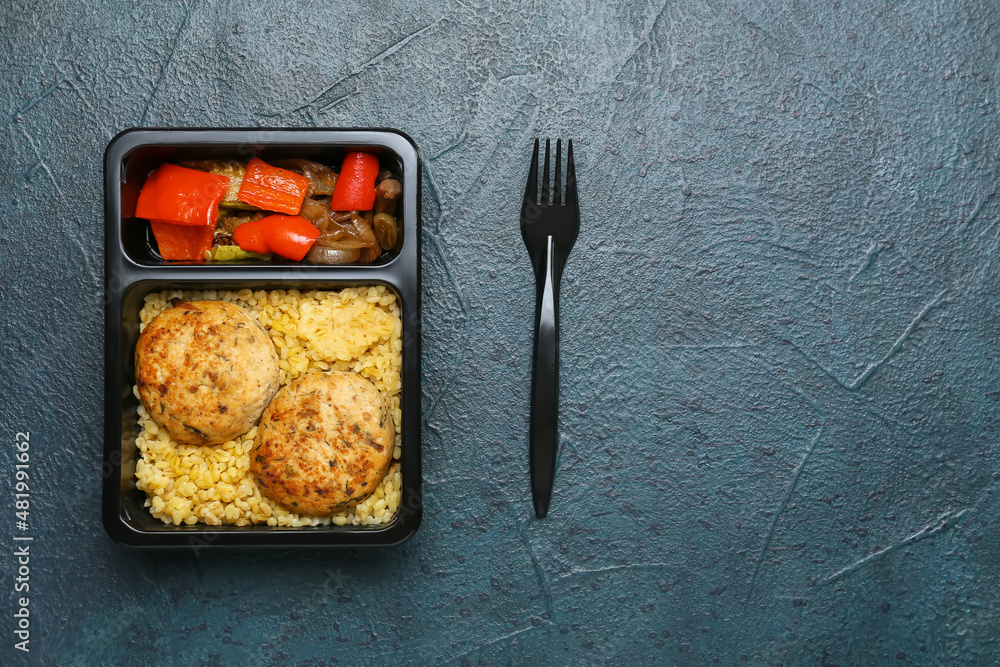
182, 241
290, 236
272, 188
252, 237
181, 196
355, 188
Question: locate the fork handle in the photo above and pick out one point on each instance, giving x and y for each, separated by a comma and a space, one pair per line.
545, 380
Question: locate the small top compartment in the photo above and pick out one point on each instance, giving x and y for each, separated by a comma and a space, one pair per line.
134, 154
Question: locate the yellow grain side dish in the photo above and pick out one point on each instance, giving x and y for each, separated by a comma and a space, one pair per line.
354, 329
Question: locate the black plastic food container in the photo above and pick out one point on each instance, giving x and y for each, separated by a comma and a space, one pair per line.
133, 269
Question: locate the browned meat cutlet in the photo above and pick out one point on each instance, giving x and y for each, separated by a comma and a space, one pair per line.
324, 443
205, 371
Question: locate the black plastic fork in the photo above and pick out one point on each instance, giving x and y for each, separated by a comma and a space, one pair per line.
549, 227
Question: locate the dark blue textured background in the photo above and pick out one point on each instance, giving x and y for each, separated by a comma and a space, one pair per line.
781, 330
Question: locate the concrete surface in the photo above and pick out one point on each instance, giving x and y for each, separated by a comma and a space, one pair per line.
781, 330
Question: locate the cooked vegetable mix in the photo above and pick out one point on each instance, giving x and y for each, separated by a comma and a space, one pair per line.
230, 210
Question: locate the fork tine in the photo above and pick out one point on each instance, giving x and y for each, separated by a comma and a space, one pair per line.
531, 190
571, 200
545, 177
557, 185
